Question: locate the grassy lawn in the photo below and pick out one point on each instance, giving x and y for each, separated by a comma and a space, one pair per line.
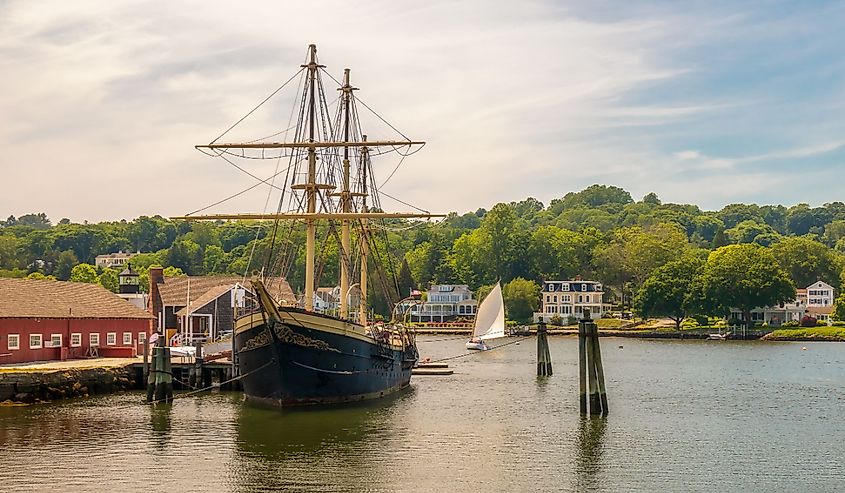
809, 333
611, 323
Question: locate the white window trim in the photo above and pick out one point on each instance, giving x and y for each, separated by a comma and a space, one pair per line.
129, 342
94, 339
60, 340
78, 336
17, 345
111, 338
40, 341
142, 336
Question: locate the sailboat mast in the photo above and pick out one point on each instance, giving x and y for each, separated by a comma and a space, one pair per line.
345, 240
365, 250
311, 189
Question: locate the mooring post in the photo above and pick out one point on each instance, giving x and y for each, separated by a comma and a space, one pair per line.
146, 360
152, 373
198, 363
544, 357
582, 365
599, 369
592, 379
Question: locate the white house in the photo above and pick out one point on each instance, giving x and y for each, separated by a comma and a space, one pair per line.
327, 300
444, 302
816, 300
820, 297
119, 259
570, 298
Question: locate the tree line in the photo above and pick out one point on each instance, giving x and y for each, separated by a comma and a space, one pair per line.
634, 247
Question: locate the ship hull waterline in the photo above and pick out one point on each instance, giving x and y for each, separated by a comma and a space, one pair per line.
313, 361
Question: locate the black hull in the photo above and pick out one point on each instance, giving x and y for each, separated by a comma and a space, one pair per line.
311, 361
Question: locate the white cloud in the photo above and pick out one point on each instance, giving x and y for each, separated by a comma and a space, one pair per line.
515, 99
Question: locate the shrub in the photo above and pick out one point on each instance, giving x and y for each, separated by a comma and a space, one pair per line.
690, 323
808, 321
821, 323
556, 320
790, 323
571, 320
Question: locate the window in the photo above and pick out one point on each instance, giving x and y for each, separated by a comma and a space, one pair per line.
583, 287
14, 342
756, 316
551, 287
75, 339
55, 340
548, 298
34, 341
127, 338
580, 299
587, 298
566, 298
111, 338
564, 287
94, 339
555, 298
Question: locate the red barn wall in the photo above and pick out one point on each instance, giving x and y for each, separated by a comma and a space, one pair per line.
24, 327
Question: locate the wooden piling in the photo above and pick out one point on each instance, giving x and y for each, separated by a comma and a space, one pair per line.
160, 381
144, 375
582, 366
593, 395
599, 370
544, 357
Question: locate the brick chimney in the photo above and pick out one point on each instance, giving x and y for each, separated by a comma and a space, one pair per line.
156, 277
577, 278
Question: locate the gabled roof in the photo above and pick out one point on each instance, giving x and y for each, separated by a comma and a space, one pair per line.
174, 290
209, 296
33, 298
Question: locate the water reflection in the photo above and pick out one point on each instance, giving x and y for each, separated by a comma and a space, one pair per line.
590, 446
282, 449
161, 416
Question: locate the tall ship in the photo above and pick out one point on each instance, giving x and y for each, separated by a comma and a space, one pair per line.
289, 353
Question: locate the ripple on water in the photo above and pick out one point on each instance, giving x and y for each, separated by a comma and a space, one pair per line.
685, 416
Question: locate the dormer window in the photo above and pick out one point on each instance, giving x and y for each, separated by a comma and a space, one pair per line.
551, 287
583, 287
564, 287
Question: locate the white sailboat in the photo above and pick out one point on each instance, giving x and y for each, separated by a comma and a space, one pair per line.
489, 321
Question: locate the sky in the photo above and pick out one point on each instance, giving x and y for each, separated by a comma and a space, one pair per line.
703, 102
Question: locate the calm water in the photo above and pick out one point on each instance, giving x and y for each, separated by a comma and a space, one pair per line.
685, 416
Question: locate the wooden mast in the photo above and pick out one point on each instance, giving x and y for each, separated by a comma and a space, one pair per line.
311, 191
365, 250
345, 199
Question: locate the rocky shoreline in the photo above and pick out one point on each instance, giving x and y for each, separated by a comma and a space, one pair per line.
33, 386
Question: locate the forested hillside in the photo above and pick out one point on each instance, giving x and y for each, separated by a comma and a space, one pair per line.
600, 233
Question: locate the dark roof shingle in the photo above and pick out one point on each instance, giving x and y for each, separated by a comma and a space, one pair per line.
34, 298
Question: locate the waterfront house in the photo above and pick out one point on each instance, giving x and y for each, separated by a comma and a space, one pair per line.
202, 308
44, 320
444, 303
327, 300
113, 260
815, 300
570, 298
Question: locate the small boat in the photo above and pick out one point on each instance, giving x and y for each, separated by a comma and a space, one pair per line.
718, 337
489, 321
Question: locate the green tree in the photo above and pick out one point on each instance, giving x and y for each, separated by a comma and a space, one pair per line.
745, 277
668, 291
84, 273
406, 281
522, 298
747, 231
40, 276
807, 261
64, 264
108, 279
838, 313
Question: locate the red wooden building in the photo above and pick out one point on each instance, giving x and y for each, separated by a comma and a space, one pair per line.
43, 320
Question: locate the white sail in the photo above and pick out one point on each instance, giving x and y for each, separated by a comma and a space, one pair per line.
490, 319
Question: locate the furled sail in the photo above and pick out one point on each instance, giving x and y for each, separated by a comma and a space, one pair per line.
490, 319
